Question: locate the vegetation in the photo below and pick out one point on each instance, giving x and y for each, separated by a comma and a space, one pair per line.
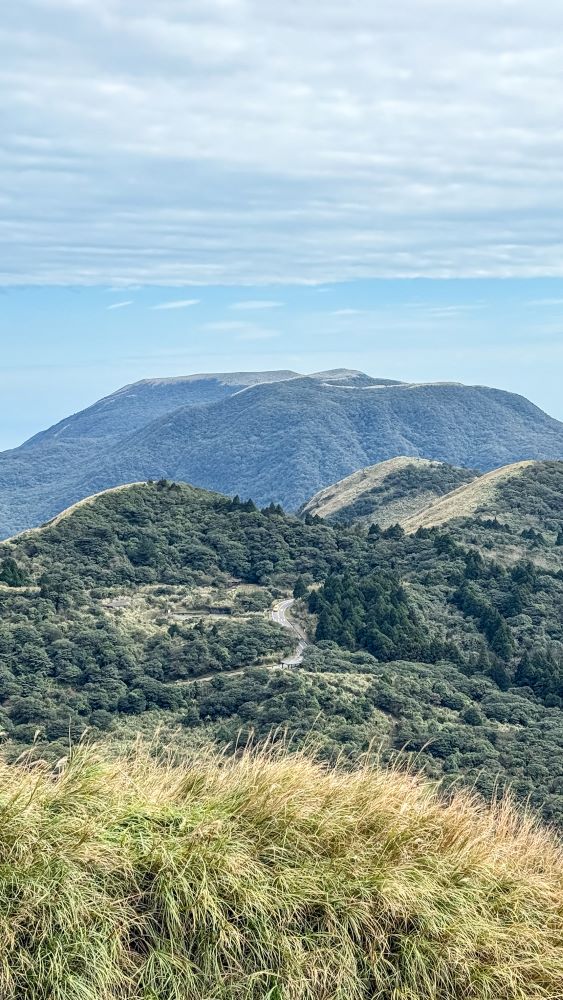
281, 439
148, 607
388, 492
268, 876
374, 613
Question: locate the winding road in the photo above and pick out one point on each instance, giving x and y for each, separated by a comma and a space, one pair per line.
279, 615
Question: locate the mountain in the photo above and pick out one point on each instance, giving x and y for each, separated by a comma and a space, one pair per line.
152, 607
275, 436
388, 492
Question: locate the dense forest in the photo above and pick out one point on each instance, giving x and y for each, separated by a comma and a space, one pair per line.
148, 607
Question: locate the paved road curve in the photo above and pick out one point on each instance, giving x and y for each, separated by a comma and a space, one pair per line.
279, 614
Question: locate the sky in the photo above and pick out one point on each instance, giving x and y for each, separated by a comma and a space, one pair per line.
215, 185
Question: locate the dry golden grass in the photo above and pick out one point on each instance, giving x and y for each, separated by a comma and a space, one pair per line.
268, 876
464, 501
343, 493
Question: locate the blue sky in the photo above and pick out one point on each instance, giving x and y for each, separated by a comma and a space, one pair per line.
64, 348
303, 185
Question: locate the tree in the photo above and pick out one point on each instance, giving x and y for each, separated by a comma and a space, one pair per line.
472, 716
11, 574
502, 642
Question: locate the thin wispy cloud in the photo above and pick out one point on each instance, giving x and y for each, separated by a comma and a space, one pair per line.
258, 143
241, 330
451, 311
225, 326
120, 305
177, 304
546, 302
251, 305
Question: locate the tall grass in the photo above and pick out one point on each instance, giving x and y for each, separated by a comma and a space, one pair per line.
268, 876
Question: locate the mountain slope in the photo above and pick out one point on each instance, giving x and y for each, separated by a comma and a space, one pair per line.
279, 437
148, 606
386, 493
135, 405
483, 495
284, 441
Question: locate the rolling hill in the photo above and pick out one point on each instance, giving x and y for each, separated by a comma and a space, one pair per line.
275, 436
489, 495
148, 607
419, 494
386, 493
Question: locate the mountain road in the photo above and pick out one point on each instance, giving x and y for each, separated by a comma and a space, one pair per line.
279, 615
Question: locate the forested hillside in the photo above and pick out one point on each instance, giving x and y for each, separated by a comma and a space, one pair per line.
149, 606
275, 436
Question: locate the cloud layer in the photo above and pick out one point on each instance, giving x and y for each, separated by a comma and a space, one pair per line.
252, 141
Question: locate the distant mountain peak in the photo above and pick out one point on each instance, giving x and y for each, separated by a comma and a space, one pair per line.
225, 378
336, 373
274, 436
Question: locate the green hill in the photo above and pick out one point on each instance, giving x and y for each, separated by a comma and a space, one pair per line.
268, 877
148, 607
493, 494
275, 436
388, 492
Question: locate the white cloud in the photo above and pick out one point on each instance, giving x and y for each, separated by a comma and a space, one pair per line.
255, 304
120, 305
225, 326
177, 304
248, 141
258, 334
451, 311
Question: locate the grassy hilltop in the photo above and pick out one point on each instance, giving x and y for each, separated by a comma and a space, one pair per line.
268, 877
387, 492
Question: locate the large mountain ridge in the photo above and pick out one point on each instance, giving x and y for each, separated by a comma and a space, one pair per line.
273, 436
